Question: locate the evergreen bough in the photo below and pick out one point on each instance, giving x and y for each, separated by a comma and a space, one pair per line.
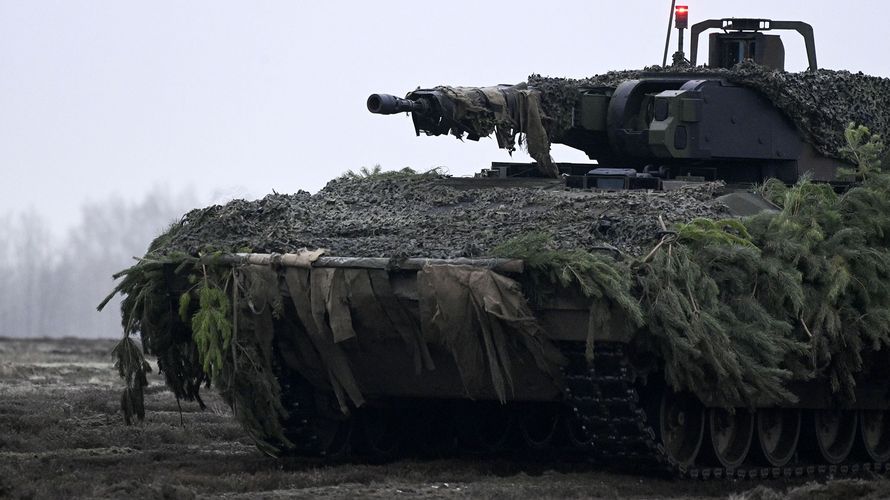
596, 275
736, 308
194, 336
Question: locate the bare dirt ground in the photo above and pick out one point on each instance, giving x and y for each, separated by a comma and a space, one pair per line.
62, 436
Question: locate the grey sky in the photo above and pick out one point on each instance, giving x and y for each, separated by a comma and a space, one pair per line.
102, 97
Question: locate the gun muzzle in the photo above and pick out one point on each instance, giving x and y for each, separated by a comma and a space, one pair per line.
385, 104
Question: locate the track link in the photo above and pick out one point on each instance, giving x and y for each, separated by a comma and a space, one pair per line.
604, 397
311, 433
299, 428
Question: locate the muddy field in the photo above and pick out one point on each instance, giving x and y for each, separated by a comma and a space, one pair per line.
62, 436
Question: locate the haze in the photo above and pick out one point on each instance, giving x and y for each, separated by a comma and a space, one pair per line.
117, 116
240, 98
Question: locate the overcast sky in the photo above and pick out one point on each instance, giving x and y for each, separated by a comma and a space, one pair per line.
240, 98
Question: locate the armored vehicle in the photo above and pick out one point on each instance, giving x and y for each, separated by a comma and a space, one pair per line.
386, 355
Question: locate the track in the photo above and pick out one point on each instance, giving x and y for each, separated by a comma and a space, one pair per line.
623, 428
607, 419
309, 430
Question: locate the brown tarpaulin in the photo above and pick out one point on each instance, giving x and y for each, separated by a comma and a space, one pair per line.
482, 317
302, 285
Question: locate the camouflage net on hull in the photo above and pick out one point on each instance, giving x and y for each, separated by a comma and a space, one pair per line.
731, 310
430, 215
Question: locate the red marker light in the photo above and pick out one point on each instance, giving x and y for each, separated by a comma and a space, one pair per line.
681, 17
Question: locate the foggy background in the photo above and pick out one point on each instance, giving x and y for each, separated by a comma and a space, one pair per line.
116, 117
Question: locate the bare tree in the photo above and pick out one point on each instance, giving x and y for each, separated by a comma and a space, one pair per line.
52, 288
27, 274
6, 269
105, 241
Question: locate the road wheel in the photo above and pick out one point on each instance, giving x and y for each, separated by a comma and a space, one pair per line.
484, 427
778, 431
874, 430
538, 425
731, 433
835, 434
379, 433
334, 436
681, 426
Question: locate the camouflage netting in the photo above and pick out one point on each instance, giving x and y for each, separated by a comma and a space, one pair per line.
506, 111
540, 112
427, 215
821, 103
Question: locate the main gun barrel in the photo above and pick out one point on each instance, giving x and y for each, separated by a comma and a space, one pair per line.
385, 104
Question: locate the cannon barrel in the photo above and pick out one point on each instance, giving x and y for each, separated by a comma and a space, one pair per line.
385, 104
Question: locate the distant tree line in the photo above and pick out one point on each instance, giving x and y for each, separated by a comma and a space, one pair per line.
51, 286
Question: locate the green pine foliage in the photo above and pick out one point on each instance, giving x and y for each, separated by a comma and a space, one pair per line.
211, 326
149, 309
133, 368
735, 309
864, 150
595, 275
724, 231
700, 300
708, 321
773, 190
180, 306
838, 245
377, 172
